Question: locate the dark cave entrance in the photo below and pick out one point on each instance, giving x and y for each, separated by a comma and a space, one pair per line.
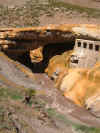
49, 50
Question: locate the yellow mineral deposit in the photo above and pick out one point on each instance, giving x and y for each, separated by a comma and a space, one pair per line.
80, 85
33, 36
93, 93
74, 86
57, 64
36, 55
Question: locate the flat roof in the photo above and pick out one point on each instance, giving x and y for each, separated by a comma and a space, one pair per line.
90, 41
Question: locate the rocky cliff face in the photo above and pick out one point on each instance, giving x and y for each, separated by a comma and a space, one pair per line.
17, 42
20, 40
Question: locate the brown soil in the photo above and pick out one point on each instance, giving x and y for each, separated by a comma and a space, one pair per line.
61, 18
72, 17
39, 115
86, 3
12, 3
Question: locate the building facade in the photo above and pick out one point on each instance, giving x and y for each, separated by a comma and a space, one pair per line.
86, 54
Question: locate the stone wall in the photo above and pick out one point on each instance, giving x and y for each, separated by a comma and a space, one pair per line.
86, 53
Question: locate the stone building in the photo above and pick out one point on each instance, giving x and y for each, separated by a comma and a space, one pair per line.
86, 53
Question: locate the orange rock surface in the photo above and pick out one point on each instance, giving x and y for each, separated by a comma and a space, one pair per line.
36, 55
79, 85
58, 64
24, 39
82, 86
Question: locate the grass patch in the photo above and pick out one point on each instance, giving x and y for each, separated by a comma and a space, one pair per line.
89, 11
38, 103
16, 97
10, 93
28, 14
84, 129
78, 128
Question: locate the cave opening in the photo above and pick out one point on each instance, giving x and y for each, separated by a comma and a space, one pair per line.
49, 50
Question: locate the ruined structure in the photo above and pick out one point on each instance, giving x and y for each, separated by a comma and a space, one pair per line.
86, 54
19, 41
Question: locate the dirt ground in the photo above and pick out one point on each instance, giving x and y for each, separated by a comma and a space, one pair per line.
86, 3
11, 3
18, 11
61, 18
47, 111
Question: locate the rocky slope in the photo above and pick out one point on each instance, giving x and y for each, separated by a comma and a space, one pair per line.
35, 105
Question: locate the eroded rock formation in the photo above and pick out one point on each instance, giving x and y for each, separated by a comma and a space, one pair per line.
20, 40
82, 87
58, 64
17, 41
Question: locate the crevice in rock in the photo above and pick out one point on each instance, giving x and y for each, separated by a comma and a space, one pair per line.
49, 50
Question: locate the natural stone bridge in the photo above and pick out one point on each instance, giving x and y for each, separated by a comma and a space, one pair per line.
19, 40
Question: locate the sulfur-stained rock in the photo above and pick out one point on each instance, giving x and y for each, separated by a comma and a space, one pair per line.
25, 39
36, 55
93, 98
58, 64
82, 87
79, 85
74, 85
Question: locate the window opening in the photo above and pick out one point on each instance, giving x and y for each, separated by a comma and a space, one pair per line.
84, 45
90, 46
97, 47
74, 59
79, 44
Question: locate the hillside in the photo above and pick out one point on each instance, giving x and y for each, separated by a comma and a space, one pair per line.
29, 101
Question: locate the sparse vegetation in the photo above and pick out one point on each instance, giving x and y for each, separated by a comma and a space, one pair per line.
91, 12
84, 129
29, 13
25, 16
76, 127
39, 106
10, 93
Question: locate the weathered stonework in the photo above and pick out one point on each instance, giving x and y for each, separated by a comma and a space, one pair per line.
86, 54
19, 40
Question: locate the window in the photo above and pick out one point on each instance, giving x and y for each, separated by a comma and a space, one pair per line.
74, 59
90, 46
97, 47
84, 45
79, 44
